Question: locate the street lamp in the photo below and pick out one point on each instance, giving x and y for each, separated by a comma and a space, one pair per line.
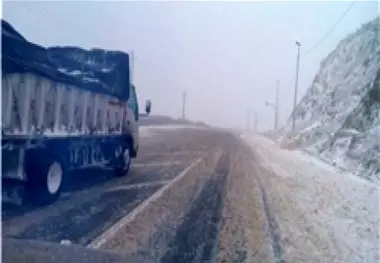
296, 87
268, 104
275, 106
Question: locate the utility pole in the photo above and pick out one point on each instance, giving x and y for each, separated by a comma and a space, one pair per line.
276, 108
256, 122
184, 105
296, 87
248, 120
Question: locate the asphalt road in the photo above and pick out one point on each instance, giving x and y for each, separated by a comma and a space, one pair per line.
174, 206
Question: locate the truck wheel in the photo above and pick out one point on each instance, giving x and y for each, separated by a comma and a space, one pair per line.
45, 178
123, 163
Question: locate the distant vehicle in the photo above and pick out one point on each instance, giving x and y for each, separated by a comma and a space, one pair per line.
64, 108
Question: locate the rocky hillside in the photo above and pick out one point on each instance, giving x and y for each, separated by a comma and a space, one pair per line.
339, 116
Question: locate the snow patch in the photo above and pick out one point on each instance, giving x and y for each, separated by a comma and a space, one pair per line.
325, 214
72, 73
170, 127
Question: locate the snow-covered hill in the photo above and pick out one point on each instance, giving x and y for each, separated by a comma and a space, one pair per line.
339, 116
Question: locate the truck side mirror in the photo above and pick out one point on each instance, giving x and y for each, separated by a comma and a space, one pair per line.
148, 105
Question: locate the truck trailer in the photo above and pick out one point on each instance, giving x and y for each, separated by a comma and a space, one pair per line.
64, 108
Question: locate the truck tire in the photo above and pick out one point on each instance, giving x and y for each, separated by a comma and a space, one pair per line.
123, 162
45, 179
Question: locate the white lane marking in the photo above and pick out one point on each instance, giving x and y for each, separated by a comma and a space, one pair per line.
155, 164
139, 185
108, 234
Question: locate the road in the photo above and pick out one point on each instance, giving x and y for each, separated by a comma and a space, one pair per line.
202, 195
173, 206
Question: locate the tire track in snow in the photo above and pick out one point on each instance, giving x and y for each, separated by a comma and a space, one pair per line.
195, 240
273, 227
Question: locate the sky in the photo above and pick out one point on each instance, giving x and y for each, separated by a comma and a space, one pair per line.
227, 56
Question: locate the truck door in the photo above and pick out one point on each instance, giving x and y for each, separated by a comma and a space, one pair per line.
133, 117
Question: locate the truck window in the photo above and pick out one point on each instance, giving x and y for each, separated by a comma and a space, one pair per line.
132, 102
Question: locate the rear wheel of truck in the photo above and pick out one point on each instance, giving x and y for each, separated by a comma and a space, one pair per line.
45, 179
123, 162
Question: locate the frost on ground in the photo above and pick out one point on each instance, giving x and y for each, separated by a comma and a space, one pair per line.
323, 214
150, 130
150, 232
243, 236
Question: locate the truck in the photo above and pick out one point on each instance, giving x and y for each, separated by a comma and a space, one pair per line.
64, 108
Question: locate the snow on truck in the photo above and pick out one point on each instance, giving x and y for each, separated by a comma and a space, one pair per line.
64, 108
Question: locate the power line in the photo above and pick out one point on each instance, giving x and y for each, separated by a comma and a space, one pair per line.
331, 29
325, 36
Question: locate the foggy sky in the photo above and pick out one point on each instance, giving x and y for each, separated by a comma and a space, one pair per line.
226, 55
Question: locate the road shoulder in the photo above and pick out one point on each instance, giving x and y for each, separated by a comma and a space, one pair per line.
244, 235
323, 214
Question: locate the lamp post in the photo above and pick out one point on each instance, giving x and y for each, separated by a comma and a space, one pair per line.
296, 87
275, 106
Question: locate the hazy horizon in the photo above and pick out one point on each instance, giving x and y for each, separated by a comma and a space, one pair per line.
226, 55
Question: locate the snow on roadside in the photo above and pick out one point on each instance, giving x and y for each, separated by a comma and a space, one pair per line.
149, 130
324, 214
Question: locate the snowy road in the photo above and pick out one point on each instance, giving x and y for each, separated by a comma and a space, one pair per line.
198, 195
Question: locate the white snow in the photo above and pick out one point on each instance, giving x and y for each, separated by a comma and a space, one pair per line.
73, 73
65, 242
50, 133
150, 129
106, 70
311, 127
324, 214
88, 79
338, 113
144, 131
